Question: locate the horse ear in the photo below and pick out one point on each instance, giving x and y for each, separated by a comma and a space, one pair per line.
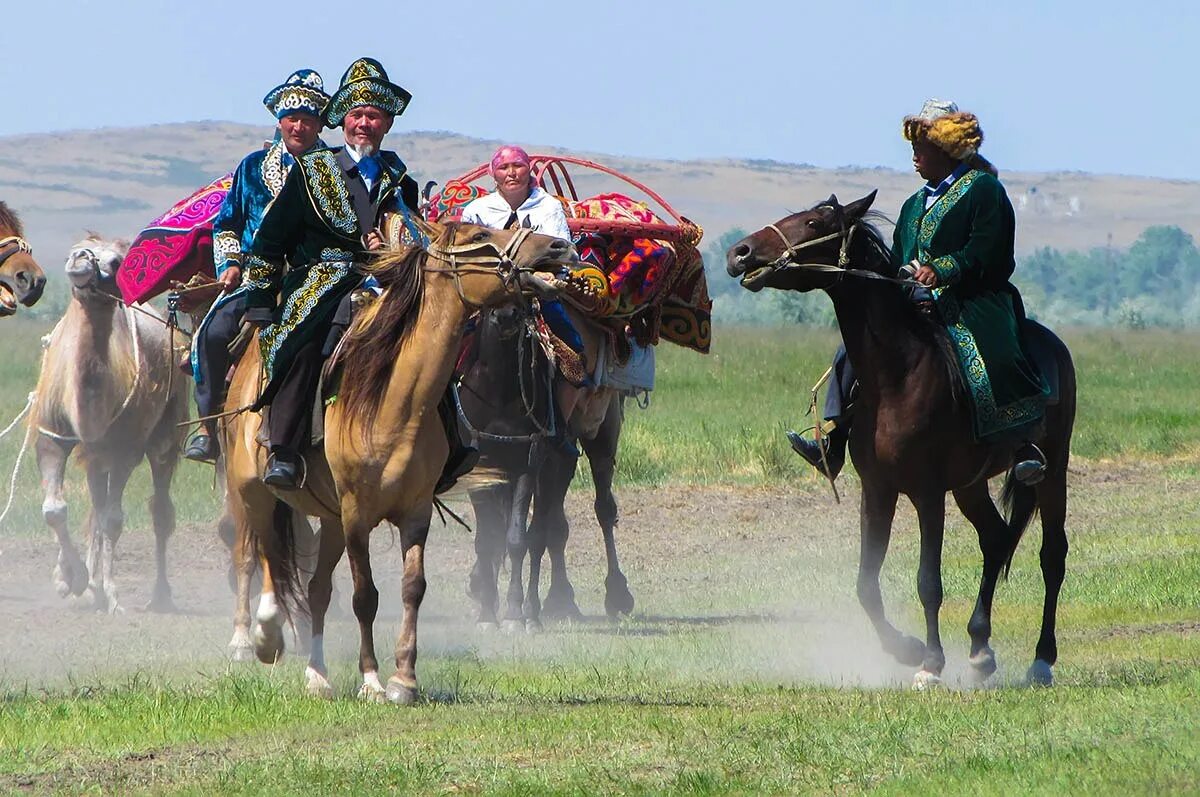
858, 207
832, 201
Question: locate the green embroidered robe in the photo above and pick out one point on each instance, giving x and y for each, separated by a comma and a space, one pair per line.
316, 226
966, 237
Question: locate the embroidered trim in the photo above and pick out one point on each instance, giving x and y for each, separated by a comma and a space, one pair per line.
260, 274
320, 279
327, 191
932, 219
227, 250
332, 254
273, 171
947, 270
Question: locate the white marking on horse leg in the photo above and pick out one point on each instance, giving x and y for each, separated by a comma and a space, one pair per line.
1040, 673
316, 656
268, 609
924, 679
240, 647
316, 684
372, 690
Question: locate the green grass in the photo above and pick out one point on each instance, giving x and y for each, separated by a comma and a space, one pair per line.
727, 684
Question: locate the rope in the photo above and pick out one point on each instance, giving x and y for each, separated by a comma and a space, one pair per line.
12, 482
819, 434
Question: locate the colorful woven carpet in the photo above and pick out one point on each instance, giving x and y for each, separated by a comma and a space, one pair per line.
173, 247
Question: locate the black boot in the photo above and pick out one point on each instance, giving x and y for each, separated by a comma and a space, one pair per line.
834, 445
1029, 466
283, 470
203, 447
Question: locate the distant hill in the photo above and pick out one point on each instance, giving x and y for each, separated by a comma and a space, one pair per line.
115, 180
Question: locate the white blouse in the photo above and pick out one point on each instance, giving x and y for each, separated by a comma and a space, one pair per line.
541, 212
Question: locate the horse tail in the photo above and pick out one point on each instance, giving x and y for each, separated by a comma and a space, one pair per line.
1019, 503
279, 549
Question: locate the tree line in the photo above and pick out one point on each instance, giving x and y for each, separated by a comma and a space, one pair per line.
1155, 282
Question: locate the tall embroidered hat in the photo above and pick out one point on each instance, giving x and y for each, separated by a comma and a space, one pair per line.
955, 132
302, 92
365, 83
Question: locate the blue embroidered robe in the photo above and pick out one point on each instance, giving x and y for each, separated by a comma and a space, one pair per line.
257, 180
316, 225
966, 236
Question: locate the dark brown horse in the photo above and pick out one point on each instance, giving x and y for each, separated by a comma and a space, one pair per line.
21, 278
912, 432
506, 402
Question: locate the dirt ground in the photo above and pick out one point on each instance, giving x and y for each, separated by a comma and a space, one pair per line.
771, 571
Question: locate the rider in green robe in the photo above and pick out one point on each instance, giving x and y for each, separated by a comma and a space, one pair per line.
956, 235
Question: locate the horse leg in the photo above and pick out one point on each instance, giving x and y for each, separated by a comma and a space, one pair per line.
931, 512
877, 507
111, 520
1052, 500
516, 540
162, 512
995, 543
365, 602
552, 530
482, 583
307, 556
242, 565
332, 544
602, 454
70, 575
402, 686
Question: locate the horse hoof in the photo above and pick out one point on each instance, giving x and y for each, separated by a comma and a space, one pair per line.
1040, 673
70, 580
512, 626
983, 664
909, 651
618, 600
560, 605
268, 642
400, 695
317, 685
533, 626
369, 693
925, 680
241, 653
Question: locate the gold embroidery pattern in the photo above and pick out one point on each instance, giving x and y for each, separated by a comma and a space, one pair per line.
227, 249
323, 176
933, 217
946, 268
368, 92
260, 274
320, 279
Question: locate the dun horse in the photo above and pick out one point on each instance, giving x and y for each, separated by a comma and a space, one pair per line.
384, 445
21, 278
912, 432
106, 389
505, 394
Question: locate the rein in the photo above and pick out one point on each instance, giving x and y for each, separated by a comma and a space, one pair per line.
786, 261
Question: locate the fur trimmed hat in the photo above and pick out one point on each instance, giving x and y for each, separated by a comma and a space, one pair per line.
955, 132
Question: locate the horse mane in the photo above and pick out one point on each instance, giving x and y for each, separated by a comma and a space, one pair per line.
373, 342
920, 325
10, 221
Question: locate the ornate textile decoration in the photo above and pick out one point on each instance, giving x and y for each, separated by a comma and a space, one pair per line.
259, 272
320, 279
303, 91
659, 285
226, 246
365, 83
273, 170
173, 247
453, 197
327, 190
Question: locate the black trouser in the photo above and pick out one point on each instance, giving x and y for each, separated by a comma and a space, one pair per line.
292, 405
213, 358
840, 393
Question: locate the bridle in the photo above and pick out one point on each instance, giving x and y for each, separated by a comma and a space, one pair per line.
14, 244
787, 260
501, 264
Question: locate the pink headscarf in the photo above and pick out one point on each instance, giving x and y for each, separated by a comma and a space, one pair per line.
508, 154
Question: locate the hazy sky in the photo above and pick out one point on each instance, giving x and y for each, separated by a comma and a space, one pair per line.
1090, 85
